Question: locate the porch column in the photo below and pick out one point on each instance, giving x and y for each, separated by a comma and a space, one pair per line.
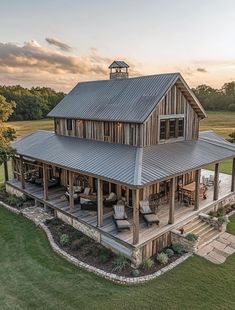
22, 172
71, 199
135, 199
172, 202
216, 182
233, 176
6, 176
45, 182
100, 203
197, 188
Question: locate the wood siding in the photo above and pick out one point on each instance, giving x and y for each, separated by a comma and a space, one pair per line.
174, 104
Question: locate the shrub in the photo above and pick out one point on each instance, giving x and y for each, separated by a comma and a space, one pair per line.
178, 247
15, 201
169, 253
162, 258
147, 263
135, 273
120, 263
222, 220
191, 237
64, 239
104, 255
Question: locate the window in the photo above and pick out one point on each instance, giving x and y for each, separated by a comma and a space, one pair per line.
69, 124
180, 127
172, 128
162, 129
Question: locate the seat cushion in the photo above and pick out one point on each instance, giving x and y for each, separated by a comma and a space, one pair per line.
121, 224
87, 191
151, 218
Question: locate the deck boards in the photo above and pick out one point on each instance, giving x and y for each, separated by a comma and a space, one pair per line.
57, 200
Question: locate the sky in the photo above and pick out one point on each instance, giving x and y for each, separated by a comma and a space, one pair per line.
58, 43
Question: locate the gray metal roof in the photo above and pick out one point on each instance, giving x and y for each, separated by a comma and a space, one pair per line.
124, 100
124, 163
118, 64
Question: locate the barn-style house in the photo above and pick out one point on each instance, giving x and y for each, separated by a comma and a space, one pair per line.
126, 163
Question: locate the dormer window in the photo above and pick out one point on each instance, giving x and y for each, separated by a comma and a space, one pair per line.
171, 128
69, 124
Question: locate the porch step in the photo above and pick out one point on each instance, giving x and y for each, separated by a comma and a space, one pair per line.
210, 236
191, 225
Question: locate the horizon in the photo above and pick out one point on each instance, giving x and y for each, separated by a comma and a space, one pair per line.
77, 41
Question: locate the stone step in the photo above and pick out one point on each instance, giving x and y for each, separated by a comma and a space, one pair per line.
200, 228
191, 225
207, 238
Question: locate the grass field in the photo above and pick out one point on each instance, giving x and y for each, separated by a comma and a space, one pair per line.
221, 122
34, 277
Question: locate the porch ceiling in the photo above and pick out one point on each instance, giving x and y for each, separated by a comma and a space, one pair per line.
123, 163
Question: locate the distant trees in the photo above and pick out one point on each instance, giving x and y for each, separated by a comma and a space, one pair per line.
214, 99
32, 103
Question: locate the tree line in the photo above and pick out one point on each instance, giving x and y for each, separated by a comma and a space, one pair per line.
30, 104
213, 99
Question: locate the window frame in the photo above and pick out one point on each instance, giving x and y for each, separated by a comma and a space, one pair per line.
179, 127
69, 124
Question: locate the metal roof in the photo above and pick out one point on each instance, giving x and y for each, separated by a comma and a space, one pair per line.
123, 163
123, 100
118, 64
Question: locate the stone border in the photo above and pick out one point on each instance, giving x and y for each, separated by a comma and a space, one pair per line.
107, 275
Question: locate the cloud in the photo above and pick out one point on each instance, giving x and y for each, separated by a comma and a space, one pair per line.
61, 45
202, 70
32, 64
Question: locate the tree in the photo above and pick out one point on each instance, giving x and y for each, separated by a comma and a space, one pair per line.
7, 134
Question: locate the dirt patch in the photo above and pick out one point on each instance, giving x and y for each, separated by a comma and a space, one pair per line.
88, 251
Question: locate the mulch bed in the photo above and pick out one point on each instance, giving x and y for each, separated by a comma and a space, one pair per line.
222, 211
88, 251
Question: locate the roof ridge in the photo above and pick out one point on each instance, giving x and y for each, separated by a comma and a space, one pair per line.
138, 166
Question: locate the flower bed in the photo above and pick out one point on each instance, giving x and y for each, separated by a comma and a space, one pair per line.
14, 201
88, 251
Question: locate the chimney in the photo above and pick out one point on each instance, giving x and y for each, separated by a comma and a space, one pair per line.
118, 70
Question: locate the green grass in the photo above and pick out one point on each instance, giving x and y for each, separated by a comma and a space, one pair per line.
225, 167
34, 277
231, 225
221, 122
2, 172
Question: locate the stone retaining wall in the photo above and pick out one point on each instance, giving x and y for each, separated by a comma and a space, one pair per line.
214, 221
190, 246
13, 191
99, 272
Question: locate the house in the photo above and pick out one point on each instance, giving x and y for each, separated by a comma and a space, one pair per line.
137, 138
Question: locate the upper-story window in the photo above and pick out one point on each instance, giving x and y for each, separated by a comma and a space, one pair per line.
69, 124
171, 128
106, 129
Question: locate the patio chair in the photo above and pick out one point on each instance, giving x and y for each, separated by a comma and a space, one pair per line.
211, 180
110, 200
120, 217
54, 181
76, 191
149, 216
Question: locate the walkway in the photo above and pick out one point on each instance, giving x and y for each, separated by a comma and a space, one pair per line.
219, 249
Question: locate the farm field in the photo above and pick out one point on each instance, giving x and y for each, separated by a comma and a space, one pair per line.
222, 123
34, 277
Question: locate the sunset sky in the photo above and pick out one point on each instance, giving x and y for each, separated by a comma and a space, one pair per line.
57, 43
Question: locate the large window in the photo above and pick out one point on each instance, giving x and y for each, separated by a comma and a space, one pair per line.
69, 124
171, 128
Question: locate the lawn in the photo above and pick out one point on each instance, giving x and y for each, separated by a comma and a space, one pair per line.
231, 225
34, 277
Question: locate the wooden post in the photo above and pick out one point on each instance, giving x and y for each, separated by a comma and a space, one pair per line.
197, 189
172, 202
233, 176
6, 176
22, 172
100, 203
71, 199
216, 182
136, 224
45, 182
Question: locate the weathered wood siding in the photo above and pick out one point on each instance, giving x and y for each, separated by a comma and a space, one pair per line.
174, 103
156, 245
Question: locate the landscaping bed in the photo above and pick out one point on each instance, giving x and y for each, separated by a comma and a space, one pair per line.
14, 201
222, 211
90, 252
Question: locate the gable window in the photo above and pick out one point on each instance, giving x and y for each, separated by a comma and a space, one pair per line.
69, 124
162, 129
171, 128
180, 127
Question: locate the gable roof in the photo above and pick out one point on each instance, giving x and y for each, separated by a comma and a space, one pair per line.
118, 64
124, 163
124, 100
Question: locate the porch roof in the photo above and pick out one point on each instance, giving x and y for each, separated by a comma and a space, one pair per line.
123, 163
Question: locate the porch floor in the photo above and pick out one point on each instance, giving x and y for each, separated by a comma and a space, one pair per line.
57, 200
